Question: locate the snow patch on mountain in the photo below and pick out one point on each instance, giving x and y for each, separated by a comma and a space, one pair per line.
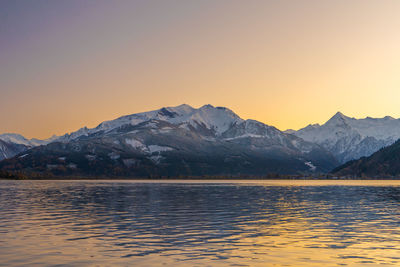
156, 148
312, 166
135, 144
245, 136
114, 156
156, 158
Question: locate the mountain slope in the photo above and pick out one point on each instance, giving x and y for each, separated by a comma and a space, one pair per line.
21, 140
349, 138
8, 150
12, 144
175, 141
382, 164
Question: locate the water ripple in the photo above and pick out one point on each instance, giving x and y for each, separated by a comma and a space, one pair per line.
104, 223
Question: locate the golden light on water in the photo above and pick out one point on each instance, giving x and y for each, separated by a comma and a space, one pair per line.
202, 223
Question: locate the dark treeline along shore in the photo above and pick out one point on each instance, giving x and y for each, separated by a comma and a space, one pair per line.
6, 175
49, 176
208, 143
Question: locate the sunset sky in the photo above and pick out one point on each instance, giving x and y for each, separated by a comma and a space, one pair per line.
67, 64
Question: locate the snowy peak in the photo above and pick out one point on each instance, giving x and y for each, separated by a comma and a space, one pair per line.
181, 109
21, 140
167, 113
349, 138
219, 119
215, 119
339, 115
15, 138
8, 150
11, 144
338, 119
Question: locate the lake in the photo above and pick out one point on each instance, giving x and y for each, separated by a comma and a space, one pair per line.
199, 223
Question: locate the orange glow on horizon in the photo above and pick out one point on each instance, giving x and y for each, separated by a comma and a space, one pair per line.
287, 64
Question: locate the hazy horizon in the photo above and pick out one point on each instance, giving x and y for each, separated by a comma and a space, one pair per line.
69, 64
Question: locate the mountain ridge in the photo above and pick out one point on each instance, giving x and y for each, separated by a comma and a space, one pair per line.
350, 138
176, 141
183, 140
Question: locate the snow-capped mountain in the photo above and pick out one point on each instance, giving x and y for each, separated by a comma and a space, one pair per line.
210, 123
8, 150
12, 144
21, 140
175, 141
213, 120
349, 138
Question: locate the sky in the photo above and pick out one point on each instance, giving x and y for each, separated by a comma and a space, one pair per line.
74, 63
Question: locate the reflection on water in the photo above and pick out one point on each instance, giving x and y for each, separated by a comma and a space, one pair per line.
104, 223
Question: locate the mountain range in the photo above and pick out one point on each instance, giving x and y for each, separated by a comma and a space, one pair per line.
349, 138
187, 141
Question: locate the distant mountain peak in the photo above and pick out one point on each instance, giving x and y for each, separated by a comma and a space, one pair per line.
350, 138
12, 144
214, 119
338, 118
19, 139
184, 108
340, 115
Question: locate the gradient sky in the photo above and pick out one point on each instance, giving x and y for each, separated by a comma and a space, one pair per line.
67, 64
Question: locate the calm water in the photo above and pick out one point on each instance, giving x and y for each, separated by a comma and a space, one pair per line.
275, 223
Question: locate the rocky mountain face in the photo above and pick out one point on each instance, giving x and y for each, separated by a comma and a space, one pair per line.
384, 163
8, 150
13, 144
19, 139
349, 138
175, 141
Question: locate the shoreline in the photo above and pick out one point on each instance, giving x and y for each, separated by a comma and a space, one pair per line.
220, 178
